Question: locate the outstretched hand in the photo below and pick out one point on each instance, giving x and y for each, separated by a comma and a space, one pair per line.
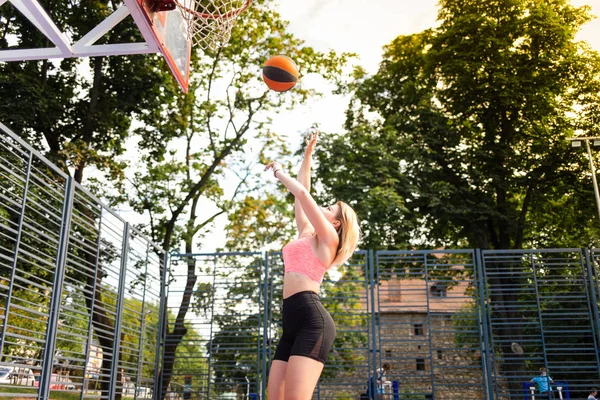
275, 166
311, 143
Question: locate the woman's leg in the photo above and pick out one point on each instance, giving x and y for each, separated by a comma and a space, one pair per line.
301, 378
276, 383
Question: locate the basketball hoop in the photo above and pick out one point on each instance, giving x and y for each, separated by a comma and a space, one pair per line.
209, 21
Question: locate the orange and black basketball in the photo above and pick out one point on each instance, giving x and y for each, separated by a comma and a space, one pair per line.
280, 73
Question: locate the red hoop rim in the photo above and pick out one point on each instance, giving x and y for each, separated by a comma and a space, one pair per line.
230, 14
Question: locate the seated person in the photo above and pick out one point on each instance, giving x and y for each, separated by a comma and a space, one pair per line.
380, 375
543, 382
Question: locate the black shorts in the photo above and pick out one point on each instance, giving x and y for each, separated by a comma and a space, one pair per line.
308, 329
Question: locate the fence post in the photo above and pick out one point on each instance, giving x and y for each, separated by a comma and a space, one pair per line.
539, 311
429, 338
266, 347
373, 350
163, 326
486, 353
144, 310
57, 286
212, 320
90, 332
119, 314
593, 301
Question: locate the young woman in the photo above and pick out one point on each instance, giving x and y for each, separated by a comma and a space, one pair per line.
327, 236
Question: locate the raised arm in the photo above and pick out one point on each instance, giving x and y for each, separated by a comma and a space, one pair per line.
302, 223
324, 229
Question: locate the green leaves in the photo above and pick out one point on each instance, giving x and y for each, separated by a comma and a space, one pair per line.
466, 124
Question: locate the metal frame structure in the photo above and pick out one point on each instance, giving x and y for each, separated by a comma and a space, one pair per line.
84, 47
435, 315
171, 41
78, 285
542, 312
576, 142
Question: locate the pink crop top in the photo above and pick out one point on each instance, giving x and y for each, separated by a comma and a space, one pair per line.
299, 257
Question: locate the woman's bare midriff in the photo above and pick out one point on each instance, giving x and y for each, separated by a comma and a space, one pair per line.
294, 282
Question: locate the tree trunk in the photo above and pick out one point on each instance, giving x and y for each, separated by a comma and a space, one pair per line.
88, 125
104, 328
179, 329
101, 323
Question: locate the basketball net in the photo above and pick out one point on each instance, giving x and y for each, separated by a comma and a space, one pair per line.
210, 21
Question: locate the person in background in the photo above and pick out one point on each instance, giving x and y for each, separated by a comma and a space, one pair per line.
386, 367
543, 382
375, 383
593, 394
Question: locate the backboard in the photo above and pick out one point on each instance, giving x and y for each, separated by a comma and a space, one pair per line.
168, 31
164, 32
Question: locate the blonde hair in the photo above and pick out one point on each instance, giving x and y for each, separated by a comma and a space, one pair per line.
348, 232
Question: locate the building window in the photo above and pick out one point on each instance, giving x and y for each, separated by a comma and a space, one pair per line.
440, 355
388, 354
420, 364
418, 329
438, 289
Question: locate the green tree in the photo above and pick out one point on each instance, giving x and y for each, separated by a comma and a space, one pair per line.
464, 131
468, 142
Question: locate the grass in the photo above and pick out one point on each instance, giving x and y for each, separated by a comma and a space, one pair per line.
22, 392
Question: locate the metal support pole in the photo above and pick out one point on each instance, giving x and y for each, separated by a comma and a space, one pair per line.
266, 347
539, 312
592, 300
576, 142
57, 288
485, 340
487, 292
112, 389
145, 311
163, 326
429, 338
90, 333
373, 359
594, 180
212, 323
